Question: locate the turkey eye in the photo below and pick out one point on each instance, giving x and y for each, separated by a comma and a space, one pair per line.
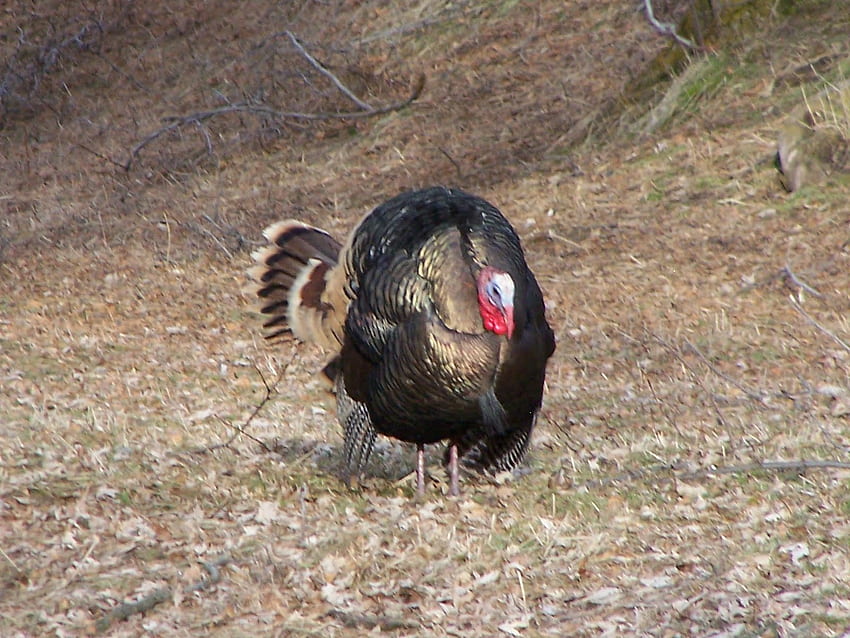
494, 293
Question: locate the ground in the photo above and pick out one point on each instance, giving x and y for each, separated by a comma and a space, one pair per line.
689, 473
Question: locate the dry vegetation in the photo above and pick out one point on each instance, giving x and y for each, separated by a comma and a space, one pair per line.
690, 473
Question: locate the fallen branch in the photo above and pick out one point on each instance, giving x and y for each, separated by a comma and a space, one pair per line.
213, 575
125, 610
789, 274
758, 396
177, 122
241, 430
369, 621
17, 569
31, 62
672, 473
324, 71
819, 326
441, 16
665, 28
209, 234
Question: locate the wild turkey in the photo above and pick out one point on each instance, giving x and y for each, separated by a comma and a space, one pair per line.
438, 323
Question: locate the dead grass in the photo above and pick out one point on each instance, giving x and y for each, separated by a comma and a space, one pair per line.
675, 270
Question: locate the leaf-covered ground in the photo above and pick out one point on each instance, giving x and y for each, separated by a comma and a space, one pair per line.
689, 473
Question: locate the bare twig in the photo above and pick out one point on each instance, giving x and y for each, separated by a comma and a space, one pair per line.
125, 610
206, 135
213, 573
98, 155
671, 473
369, 621
452, 160
324, 71
789, 274
130, 78
665, 28
444, 15
722, 422
551, 234
238, 431
226, 231
669, 416
213, 237
241, 430
11, 562
758, 396
177, 122
827, 436
819, 326
30, 62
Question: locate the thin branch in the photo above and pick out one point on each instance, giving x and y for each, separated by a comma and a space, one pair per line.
671, 473
789, 274
452, 160
125, 610
206, 136
827, 436
11, 562
122, 72
46, 56
551, 234
228, 231
213, 237
213, 573
758, 396
665, 28
662, 405
324, 71
820, 327
370, 621
241, 430
98, 155
256, 108
444, 15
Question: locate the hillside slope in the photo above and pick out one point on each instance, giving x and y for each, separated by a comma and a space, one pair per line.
690, 471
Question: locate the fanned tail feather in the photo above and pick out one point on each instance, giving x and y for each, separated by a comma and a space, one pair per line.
294, 281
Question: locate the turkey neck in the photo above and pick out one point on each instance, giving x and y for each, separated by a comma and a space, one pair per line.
451, 276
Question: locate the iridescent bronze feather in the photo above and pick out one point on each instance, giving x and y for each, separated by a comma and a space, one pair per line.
438, 323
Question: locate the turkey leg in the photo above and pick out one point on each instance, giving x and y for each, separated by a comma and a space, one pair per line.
453, 471
420, 468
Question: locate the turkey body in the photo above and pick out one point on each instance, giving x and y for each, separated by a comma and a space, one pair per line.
437, 320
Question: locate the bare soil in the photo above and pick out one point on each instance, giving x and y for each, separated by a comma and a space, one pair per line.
689, 473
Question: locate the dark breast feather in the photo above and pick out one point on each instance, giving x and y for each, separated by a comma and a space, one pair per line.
427, 385
391, 293
419, 355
